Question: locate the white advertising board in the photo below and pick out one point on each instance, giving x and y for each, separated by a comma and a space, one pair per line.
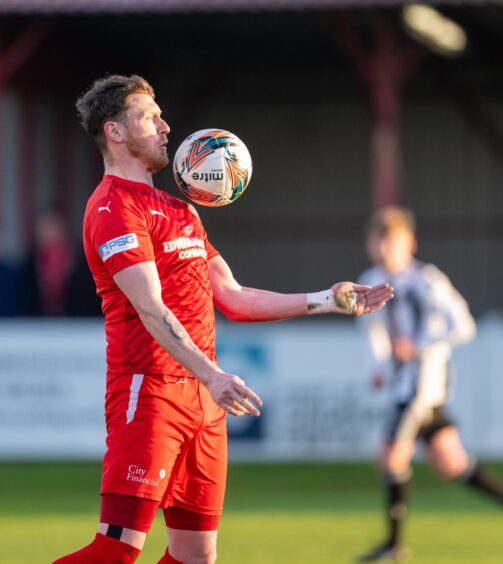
317, 400
51, 389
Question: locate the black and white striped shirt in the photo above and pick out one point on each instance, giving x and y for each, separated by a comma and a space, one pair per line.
428, 310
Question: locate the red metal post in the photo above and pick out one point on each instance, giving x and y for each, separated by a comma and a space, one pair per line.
384, 70
12, 59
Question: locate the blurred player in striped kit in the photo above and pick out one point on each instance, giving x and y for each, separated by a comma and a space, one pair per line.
410, 341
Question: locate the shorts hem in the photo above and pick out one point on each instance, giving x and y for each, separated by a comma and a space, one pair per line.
192, 508
123, 491
126, 371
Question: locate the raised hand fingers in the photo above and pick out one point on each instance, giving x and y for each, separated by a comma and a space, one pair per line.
380, 293
361, 287
376, 301
371, 299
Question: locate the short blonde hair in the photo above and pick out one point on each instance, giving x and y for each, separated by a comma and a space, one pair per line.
387, 220
106, 100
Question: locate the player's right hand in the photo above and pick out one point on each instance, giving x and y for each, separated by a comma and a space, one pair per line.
230, 392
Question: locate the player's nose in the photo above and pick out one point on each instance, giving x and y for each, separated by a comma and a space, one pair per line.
163, 128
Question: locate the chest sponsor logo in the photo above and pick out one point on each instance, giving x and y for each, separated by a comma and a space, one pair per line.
187, 248
118, 245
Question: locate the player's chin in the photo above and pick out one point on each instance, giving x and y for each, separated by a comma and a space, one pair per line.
159, 163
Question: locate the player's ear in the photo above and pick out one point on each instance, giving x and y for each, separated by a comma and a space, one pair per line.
112, 131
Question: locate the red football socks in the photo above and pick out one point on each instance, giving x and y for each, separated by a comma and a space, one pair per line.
127, 511
168, 559
103, 550
178, 518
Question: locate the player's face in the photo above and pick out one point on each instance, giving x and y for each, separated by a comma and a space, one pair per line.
393, 251
145, 132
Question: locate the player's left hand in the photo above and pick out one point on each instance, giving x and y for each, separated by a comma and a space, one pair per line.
231, 393
357, 299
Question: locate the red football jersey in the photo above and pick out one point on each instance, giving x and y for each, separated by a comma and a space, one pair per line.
126, 223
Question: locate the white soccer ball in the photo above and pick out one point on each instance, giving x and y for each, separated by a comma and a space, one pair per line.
212, 167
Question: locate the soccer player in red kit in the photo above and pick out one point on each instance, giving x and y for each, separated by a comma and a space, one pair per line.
159, 279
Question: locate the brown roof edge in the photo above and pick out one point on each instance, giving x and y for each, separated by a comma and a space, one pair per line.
172, 6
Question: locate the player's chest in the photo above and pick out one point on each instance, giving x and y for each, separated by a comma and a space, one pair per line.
407, 311
177, 236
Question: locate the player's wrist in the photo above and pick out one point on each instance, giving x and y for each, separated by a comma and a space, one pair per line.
320, 302
328, 301
212, 373
206, 370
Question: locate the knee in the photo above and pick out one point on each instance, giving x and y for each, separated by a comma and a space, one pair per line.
209, 557
395, 460
450, 466
397, 469
195, 556
396, 466
451, 469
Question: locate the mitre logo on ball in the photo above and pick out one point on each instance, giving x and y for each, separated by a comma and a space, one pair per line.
212, 167
208, 176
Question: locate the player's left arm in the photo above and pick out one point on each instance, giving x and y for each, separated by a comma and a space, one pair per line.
445, 301
240, 303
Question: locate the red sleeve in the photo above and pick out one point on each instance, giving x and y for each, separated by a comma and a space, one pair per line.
120, 233
210, 249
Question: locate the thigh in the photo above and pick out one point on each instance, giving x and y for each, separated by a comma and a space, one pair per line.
198, 479
437, 421
394, 458
146, 431
406, 421
403, 429
447, 453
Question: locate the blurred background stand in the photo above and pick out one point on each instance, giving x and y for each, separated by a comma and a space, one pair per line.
345, 106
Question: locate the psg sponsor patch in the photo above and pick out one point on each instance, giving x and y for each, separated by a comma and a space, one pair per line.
118, 245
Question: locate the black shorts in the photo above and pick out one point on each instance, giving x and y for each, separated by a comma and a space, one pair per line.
410, 422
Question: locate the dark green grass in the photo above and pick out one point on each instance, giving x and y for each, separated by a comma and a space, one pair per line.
275, 513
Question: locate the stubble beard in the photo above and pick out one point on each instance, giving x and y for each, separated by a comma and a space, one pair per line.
158, 162
154, 159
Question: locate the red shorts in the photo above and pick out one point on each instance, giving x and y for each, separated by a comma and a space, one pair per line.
166, 441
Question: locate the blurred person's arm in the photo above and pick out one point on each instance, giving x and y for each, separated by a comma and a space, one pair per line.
377, 344
448, 319
240, 303
378, 351
376, 339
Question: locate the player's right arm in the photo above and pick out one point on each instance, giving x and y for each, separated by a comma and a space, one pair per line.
141, 285
378, 348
